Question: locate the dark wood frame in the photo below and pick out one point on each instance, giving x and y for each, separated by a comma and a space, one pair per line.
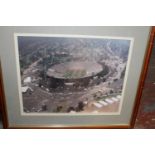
135, 109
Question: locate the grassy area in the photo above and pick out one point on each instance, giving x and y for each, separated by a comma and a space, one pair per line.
74, 73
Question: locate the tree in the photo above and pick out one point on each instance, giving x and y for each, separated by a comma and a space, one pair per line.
59, 108
111, 92
80, 106
70, 109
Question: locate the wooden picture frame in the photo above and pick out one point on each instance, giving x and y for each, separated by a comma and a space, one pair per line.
143, 76
5, 112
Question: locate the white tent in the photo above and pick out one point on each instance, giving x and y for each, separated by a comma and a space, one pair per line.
103, 103
109, 101
27, 80
98, 105
25, 89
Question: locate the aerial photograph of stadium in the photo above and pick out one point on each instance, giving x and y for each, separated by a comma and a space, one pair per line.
72, 74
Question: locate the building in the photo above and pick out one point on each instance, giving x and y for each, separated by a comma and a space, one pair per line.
75, 74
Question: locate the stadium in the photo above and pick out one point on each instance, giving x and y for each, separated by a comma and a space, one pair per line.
73, 74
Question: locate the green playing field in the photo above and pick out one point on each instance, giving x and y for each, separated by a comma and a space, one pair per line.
74, 73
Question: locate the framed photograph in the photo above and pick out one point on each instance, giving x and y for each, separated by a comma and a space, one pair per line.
71, 77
